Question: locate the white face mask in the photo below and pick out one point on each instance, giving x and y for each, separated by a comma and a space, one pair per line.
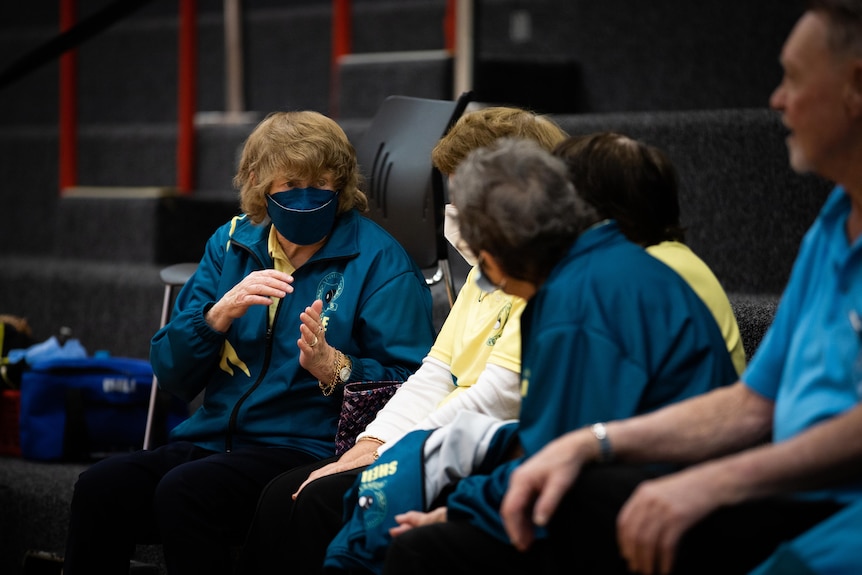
453, 234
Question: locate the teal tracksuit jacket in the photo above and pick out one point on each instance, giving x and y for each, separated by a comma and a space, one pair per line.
377, 310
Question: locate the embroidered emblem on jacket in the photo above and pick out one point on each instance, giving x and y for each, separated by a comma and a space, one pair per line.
328, 290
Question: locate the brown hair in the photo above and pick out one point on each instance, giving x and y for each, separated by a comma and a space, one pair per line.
297, 145
480, 128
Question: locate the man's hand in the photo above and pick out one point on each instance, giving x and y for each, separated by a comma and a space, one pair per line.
537, 486
659, 512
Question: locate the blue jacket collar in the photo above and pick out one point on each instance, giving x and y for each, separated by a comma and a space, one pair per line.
343, 242
596, 236
604, 233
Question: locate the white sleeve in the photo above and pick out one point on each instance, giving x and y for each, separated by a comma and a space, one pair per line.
415, 399
497, 393
456, 450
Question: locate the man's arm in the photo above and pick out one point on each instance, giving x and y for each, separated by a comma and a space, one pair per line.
660, 511
719, 422
722, 421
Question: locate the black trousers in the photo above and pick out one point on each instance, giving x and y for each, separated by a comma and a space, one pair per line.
290, 536
197, 503
582, 536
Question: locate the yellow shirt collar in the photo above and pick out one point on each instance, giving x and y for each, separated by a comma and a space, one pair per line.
279, 258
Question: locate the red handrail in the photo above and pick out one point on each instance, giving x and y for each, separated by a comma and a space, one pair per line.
187, 84
449, 25
186, 96
342, 40
342, 43
68, 137
186, 99
342, 26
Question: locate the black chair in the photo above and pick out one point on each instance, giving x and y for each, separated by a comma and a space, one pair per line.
174, 276
405, 192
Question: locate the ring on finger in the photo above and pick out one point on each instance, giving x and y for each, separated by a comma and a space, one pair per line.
313, 343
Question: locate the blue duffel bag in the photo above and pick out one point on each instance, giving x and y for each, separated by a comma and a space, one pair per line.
78, 409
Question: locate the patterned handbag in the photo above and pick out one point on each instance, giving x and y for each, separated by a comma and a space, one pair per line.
362, 401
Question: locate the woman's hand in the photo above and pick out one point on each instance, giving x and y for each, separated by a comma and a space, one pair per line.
411, 519
315, 354
361, 454
257, 288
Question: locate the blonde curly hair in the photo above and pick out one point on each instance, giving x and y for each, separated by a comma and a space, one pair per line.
479, 128
302, 145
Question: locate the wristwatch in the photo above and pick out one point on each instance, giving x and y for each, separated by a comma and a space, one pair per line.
342, 368
600, 432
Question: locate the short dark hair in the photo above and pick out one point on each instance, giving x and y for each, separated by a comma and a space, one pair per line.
627, 180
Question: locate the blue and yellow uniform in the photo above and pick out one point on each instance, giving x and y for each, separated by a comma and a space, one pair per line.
376, 309
612, 333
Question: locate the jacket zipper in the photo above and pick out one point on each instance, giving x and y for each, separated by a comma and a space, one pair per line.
231, 428
267, 358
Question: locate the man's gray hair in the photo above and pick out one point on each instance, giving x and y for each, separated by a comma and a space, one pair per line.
845, 24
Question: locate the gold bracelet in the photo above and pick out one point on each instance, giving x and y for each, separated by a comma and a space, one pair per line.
341, 372
371, 438
327, 388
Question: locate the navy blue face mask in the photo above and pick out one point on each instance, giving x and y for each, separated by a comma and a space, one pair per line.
304, 216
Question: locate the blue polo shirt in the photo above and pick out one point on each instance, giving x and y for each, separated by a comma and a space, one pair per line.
831, 547
809, 360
